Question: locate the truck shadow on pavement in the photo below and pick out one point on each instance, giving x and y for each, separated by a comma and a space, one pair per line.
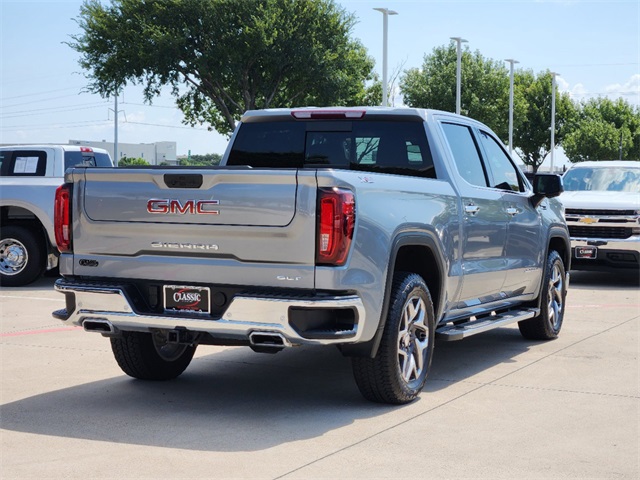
42, 284
622, 280
236, 400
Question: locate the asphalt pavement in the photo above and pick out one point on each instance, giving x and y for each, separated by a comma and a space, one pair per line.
495, 406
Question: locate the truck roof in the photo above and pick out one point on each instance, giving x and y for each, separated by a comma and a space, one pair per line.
608, 164
65, 147
417, 114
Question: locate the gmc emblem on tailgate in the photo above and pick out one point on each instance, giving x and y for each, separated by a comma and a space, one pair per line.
176, 207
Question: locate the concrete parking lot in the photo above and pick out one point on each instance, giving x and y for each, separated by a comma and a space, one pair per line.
495, 405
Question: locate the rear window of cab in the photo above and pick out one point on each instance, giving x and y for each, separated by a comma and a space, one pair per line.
377, 146
84, 158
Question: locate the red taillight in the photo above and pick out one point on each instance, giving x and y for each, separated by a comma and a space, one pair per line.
86, 149
62, 218
336, 221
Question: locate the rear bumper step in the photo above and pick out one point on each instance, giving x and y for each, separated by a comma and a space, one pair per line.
473, 327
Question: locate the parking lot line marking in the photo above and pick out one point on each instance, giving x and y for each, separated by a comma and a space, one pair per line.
32, 298
37, 332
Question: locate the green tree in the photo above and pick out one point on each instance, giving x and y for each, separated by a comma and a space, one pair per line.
126, 161
202, 160
605, 130
532, 131
484, 92
223, 57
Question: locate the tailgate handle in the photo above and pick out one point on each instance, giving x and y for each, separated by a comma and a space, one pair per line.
183, 180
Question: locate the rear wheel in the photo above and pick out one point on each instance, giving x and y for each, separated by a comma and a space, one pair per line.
399, 370
548, 323
148, 356
22, 257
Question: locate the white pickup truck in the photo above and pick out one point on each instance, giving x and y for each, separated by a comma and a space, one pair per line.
602, 209
29, 176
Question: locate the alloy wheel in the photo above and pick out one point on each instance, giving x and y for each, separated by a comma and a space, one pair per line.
413, 339
556, 291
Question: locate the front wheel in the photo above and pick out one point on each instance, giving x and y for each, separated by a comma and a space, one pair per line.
547, 324
148, 356
398, 372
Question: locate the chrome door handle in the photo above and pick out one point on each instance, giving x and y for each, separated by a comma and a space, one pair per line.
471, 209
512, 211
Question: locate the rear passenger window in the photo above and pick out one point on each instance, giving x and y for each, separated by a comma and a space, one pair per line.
23, 163
465, 153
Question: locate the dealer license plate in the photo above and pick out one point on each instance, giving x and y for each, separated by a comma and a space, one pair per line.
187, 299
587, 252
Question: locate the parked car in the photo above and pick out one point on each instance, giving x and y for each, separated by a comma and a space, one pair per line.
602, 209
29, 176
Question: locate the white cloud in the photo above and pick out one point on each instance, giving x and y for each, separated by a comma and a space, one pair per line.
563, 85
576, 92
629, 90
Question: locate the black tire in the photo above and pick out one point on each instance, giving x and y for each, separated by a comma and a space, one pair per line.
399, 370
22, 256
148, 356
547, 325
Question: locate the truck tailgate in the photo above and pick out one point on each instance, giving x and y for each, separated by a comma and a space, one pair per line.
196, 226
249, 198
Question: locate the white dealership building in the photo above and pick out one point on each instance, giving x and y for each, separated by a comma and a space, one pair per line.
155, 153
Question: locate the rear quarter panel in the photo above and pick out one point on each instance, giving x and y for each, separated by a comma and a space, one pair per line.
386, 207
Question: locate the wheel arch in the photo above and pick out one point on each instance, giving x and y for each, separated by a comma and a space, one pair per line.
21, 216
558, 240
412, 252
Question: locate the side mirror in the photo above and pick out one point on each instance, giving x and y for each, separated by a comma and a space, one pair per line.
546, 185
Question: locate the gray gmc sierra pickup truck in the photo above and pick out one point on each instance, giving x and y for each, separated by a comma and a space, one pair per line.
372, 229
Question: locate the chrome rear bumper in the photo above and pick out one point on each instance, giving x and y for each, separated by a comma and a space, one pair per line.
109, 305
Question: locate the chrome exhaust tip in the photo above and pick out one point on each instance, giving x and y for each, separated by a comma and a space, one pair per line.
268, 339
98, 325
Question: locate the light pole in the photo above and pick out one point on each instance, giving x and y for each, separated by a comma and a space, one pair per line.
621, 144
385, 26
553, 117
115, 127
511, 63
459, 41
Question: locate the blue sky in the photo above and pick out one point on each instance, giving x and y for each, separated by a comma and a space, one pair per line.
593, 45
